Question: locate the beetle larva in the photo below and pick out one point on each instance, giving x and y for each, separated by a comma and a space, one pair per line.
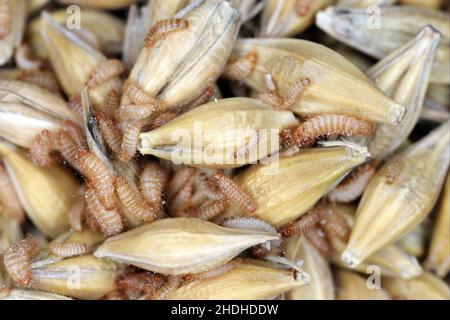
209, 210
234, 193
325, 125
336, 225
182, 200
109, 221
75, 132
70, 249
76, 107
144, 282
129, 140
318, 239
109, 132
112, 101
162, 28
41, 148
213, 272
42, 79
242, 67
104, 71
99, 176
137, 111
136, 94
353, 185
179, 179
393, 170
172, 283
162, 119
8, 197
153, 180
208, 187
132, 199
306, 221
17, 260
272, 97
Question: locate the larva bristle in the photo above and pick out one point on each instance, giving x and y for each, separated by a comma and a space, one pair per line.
179, 179
172, 283
145, 282
133, 201
70, 249
8, 197
234, 193
336, 225
45, 80
214, 273
182, 200
153, 180
209, 188
136, 94
295, 90
249, 148
318, 239
162, 119
394, 169
67, 147
5, 18
353, 186
17, 260
240, 68
76, 106
130, 140
137, 111
76, 214
302, 7
162, 28
105, 71
99, 176
109, 132
306, 221
77, 135
112, 102
41, 148
323, 126
109, 221
209, 210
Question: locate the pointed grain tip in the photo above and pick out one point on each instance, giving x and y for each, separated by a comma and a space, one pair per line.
396, 113
350, 259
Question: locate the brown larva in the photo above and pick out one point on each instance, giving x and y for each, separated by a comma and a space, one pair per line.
112, 101
136, 94
241, 67
109, 132
109, 221
5, 18
162, 28
234, 193
162, 119
8, 197
105, 71
302, 7
41, 148
77, 135
153, 180
45, 80
133, 201
273, 98
99, 176
172, 283
179, 179
76, 214
353, 185
17, 260
67, 147
336, 225
394, 169
209, 210
306, 221
182, 200
325, 125
213, 273
130, 140
70, 249
144, 282
76, 106
208, 187
137, 111
249, 148
318, 239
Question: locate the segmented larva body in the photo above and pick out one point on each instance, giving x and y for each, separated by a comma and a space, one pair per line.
133, 201
325, 125
162, 119
109, 132
8, 197
76, 106
109, 221
172, 283
105, 71
306, 221
295, 90
41, 148
182, 200
17, 261
209, 210
130, 140
68, 148
76, 214
5, 18
153, 180
162, 28
318, 239
271, 98
336, 225
77, 135
214, 273
302, 7
43, 79
136, 94
234, 193
99, 176
240, 68
112, 101
353, 185
145, 282
394, 169
208, 187
179, 179
249, 147
137, 111
70, 249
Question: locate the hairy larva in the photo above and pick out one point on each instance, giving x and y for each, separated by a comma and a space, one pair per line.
179, 179
208, 187
325, 125
105, 71
295, 90
162, 28
43, 79
136, 94
41, 148
8, 197
68, 148
241, 67
76, 214
182, 200
318, 239
354, 184
17, 260
153, 180
306, 221
109, 132
394, 169
99, 176
130, 140
213, 273
70, 249
77, 135
76, 106
162, 119
5, 18
302, 7
250, 147
234, 193
209, 210
336, 225
109, 221
172, 283
112, 101
145, 282
23, 59
133, 201
137, 111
